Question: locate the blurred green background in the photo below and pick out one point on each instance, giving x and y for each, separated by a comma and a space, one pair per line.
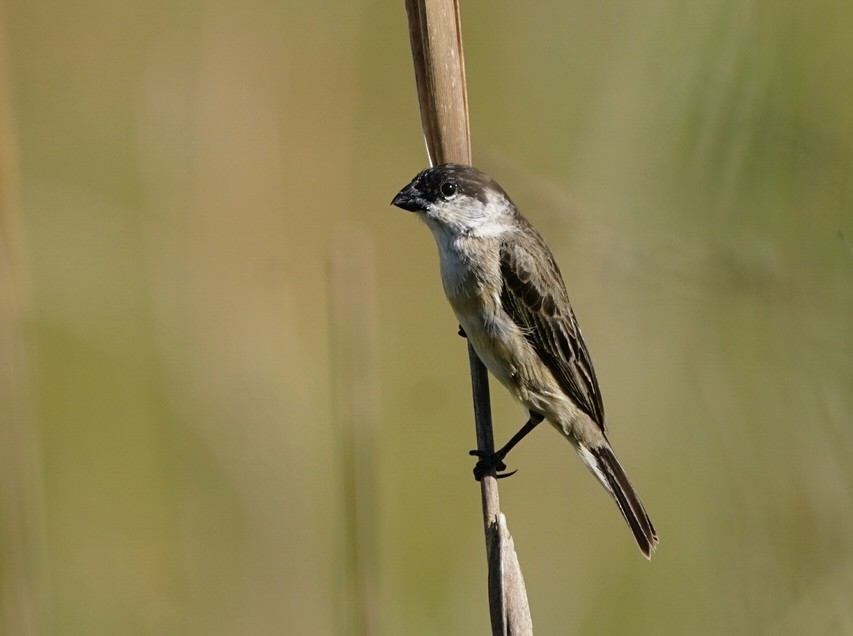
233, 397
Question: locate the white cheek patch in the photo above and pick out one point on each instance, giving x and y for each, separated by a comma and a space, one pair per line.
472, 217
496, 217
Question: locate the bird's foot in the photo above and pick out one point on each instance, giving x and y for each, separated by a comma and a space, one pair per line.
461, 332
490, 462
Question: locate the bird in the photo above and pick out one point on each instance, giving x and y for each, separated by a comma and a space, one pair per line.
509, 298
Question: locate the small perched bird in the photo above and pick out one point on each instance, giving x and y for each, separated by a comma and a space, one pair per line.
510, 300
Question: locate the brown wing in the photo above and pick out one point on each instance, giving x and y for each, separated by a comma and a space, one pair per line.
534, 295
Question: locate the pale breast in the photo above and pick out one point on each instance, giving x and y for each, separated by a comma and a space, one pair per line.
473, 287
509, 356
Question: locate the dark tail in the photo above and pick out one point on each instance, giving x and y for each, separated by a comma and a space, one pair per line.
604, 465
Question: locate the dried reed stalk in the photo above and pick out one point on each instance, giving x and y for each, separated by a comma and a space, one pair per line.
436, 37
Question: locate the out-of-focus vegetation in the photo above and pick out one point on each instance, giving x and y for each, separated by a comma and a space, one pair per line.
176, 180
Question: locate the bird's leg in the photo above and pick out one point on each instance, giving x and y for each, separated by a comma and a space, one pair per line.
494, 461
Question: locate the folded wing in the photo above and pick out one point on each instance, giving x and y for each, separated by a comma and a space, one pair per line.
534, 295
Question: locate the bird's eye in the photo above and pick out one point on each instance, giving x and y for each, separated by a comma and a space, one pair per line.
448, 189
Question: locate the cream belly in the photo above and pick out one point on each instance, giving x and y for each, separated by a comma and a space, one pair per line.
508, 355
473, 290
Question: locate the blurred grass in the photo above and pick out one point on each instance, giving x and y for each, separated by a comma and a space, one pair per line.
182, 169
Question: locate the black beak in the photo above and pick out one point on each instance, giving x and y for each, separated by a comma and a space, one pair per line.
410, 198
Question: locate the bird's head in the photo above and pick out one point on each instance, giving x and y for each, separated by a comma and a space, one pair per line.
459, 200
